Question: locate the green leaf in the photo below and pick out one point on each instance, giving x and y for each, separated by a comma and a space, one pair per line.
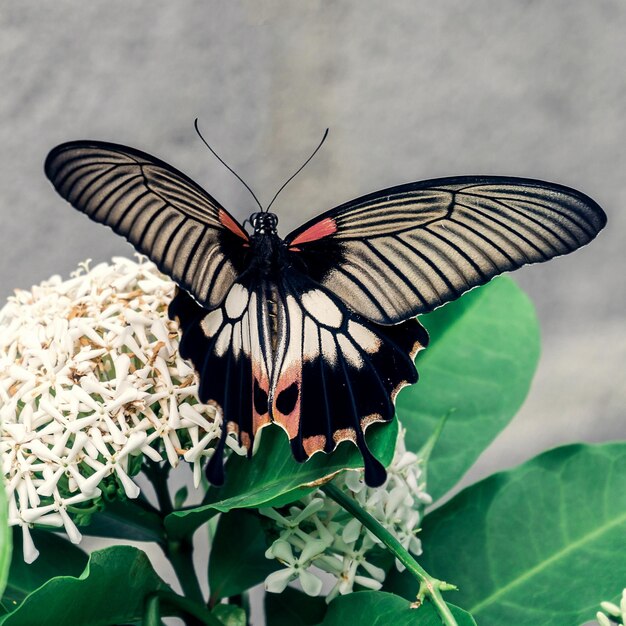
539, 544
273, 472
375, 608
57, 557
111, 590
481, 359
152, 612
294, 608
180, 497
124, 519
6, 545
230, 615
237, 561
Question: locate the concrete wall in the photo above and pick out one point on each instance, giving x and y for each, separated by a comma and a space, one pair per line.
409, 89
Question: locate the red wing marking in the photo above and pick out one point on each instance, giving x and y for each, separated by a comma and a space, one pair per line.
320, 229
228, 222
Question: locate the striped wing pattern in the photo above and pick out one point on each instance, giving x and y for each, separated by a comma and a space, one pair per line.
322, 343
162, 212
407, 250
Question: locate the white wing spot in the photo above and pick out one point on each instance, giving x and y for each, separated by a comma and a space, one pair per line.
236, 301
236, 344
350, 353
363, 336
329, 347
212, 322
223, 341
310, 348
321, 308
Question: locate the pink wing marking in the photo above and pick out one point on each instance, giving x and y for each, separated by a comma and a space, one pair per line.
230, 223
320, 229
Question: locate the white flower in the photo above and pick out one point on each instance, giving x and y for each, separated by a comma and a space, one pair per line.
346, 546
616, 613
296, 567
90, 380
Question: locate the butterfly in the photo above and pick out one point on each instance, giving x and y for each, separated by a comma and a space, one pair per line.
316, 332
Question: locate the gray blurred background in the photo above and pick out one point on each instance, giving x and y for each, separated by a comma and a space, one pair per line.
410, 90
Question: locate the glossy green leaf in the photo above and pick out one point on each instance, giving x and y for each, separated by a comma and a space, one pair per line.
125, 519
237, 561
540, 544
375, 608
5, 539
111, 590
272, 472
294, 608
180, 497
478, 367
152, 612
57, 557
230, 615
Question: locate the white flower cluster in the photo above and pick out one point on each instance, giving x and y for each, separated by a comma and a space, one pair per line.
317, 533
616, 613
90, 379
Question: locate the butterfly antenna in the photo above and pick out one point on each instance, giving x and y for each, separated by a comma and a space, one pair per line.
299, 170
230, 169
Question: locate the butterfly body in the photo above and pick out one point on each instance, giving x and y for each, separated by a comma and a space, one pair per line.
316, 332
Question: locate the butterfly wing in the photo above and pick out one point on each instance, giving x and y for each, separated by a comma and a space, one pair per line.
230, 348
336, 372
162, 212
403, 251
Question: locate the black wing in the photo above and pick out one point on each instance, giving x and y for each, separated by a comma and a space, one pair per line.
403, 251
162, 212
230, 347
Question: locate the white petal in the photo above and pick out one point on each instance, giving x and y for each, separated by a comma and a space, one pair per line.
310, 509
70, 527
282, 551
375, 572
29, 550
131, 489
364, 581
277, 581
351, 531
311, 584
312, 549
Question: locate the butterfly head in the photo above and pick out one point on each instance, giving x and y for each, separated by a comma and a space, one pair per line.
264, 223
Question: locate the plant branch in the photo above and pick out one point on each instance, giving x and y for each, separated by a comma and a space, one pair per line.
157, 475
198, 612
180, 555
430, 587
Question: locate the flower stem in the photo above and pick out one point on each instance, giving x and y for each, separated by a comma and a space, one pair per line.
198, 613
429, 587
157, 475
180, 555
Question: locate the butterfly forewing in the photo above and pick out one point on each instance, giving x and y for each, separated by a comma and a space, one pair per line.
404, 251
162, 212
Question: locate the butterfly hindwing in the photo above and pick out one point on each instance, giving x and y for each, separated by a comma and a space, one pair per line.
162, 212
336, 373
229, 347
406, 250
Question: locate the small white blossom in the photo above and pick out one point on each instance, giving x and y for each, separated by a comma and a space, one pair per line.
616, 613
324, 536
90, 379
296, 567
